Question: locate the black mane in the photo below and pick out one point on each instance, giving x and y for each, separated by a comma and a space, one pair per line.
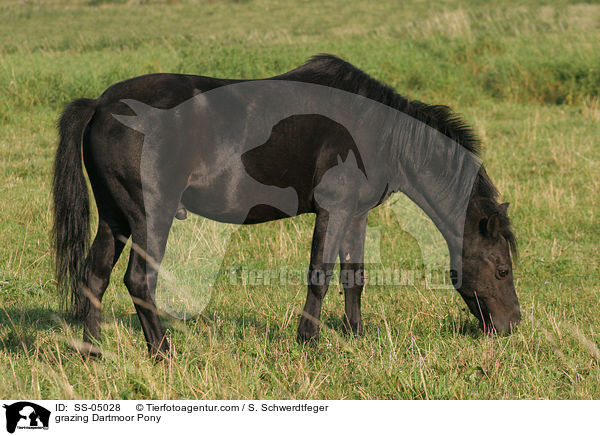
329, 70
332, 71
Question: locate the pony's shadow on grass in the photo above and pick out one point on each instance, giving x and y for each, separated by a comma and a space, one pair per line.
451, 326
463, 325
21, 327
242, 324
249, 322
334, 322
217, 321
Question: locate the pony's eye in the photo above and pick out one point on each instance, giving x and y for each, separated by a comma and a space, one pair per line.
502, 271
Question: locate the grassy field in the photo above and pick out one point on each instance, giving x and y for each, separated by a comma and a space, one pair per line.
526, 75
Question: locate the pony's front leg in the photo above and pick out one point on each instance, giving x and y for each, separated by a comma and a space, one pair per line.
352, 271
329, 229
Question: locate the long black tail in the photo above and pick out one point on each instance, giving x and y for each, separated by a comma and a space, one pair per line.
71, 230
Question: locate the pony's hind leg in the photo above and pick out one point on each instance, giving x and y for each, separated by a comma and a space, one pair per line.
104, 253
149, 240
136, 280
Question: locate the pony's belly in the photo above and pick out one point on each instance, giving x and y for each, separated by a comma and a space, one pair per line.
241, 205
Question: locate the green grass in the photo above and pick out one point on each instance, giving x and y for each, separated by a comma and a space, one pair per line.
527, 76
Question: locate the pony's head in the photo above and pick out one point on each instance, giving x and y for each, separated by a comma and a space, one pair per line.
487, 284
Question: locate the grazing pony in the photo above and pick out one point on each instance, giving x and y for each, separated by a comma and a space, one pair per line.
324, 138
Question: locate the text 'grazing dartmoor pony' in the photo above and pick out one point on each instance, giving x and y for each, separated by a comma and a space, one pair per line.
324, 138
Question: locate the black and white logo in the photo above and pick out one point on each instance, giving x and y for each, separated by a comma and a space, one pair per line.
26, 415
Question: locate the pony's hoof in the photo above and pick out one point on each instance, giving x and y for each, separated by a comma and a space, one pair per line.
353, 328
88, 350
308, 331
161, 353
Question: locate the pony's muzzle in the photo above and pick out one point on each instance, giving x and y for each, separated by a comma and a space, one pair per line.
507, 324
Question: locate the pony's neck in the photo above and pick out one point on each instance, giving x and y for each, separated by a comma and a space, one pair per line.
438, 174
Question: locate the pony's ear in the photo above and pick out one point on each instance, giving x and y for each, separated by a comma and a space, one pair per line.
339, 160
504, 208
492, 226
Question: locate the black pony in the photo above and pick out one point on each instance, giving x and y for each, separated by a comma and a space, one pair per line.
324, 138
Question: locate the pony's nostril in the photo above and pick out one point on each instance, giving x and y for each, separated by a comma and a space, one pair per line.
516, 316
514, 319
